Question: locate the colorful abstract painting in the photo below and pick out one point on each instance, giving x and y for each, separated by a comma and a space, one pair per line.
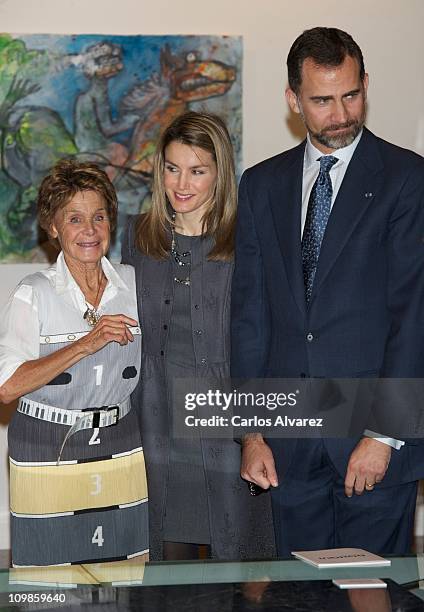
101, 98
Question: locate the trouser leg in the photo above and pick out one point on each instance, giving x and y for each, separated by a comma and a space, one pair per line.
311, 510
302, 504
381, 520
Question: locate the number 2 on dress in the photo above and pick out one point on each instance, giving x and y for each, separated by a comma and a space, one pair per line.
99, 374
94, 438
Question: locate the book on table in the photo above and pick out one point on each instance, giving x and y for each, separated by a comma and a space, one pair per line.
341, 557
360, 583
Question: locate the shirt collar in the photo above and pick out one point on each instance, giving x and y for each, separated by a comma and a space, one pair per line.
65, 281
344, 155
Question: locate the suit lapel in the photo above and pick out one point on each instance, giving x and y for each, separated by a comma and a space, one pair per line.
286, 206
355, 195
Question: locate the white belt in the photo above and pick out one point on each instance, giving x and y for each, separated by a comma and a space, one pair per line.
89, 418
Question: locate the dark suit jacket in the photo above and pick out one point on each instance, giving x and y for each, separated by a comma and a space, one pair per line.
365, 316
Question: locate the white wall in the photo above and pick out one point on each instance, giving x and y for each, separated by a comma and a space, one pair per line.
390, 34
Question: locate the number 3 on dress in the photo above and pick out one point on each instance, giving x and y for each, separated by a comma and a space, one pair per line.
98, 536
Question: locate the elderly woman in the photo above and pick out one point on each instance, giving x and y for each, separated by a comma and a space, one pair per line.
77, 484
182, 250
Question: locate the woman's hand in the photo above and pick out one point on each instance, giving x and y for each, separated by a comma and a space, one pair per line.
110, 328
36, 373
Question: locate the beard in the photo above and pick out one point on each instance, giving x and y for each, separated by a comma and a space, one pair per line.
327, 136
332, 140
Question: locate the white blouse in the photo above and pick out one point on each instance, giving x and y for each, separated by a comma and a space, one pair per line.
21, 323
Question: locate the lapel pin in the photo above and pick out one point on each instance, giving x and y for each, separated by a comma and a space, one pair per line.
369, 194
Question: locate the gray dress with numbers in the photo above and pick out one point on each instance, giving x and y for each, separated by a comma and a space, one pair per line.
92, 505
236, 525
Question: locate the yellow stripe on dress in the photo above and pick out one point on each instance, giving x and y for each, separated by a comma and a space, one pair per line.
66, 488
126, 572
50, 575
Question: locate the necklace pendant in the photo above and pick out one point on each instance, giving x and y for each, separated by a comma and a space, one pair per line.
91, 316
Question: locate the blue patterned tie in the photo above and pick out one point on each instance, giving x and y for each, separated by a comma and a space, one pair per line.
319, 208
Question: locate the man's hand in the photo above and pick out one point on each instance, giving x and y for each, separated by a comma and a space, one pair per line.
367, 466
257, 462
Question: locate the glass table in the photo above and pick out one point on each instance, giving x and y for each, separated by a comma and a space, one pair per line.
211, 585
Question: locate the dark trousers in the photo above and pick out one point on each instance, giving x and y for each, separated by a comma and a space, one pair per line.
312, 512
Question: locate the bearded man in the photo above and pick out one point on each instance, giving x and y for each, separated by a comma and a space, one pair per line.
329, 283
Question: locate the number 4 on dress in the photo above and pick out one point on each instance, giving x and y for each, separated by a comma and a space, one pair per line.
98, 536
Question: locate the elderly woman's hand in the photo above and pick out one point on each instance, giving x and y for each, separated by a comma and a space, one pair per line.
35, 373
110, 328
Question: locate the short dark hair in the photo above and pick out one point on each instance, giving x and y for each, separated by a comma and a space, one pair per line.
326, 47
67, 178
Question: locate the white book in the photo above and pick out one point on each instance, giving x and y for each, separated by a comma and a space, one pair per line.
360, 583
341, 557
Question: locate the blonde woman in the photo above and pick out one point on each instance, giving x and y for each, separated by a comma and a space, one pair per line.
182, 251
